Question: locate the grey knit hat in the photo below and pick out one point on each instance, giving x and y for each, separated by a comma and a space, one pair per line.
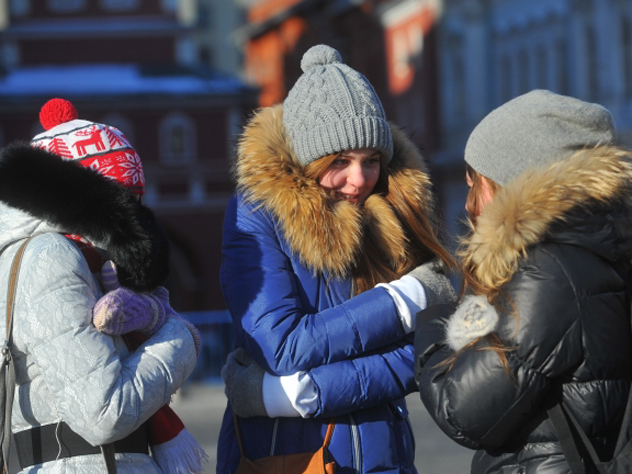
535, 130
333, 108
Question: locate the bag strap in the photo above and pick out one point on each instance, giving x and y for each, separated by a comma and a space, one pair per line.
7, 379
560, 415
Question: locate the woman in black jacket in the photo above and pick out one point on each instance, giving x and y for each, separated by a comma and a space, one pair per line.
546, 316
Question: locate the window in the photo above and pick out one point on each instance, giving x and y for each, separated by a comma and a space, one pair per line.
626, 51
119, 5
20, 7
506, 79
177, 140
458, 69
66, 6
591, 63
541, 68
169, 6
523, 72
561, 71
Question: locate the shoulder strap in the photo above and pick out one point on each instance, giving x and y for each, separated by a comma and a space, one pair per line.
7, 377
559, 416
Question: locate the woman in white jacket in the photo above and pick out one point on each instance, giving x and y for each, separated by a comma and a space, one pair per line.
77, 388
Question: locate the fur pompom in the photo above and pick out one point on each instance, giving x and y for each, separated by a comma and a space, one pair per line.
474, 318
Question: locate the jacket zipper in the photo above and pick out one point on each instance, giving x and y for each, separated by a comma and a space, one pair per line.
357, 461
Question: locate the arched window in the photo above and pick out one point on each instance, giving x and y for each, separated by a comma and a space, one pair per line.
177, 140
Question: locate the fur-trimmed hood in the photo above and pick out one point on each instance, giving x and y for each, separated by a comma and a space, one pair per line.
328, 235
39, 192
573, 195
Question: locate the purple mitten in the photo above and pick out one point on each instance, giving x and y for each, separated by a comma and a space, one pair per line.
122, 310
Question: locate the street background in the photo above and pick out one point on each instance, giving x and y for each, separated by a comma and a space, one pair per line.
201, 405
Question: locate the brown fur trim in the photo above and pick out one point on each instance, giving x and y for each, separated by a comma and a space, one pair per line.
326, 235
522, 212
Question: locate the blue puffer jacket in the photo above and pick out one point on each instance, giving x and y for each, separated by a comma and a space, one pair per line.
287, 255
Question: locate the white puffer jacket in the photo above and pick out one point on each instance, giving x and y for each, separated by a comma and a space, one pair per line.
65, 369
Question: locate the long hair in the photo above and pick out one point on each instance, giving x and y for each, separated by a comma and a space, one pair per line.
473, 205
420, 228
471, 284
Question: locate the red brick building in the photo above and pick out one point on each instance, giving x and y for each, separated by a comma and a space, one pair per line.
131, 64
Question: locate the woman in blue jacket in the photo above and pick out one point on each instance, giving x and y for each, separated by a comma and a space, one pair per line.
322, 271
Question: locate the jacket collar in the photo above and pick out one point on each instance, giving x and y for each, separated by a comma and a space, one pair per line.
39, 192
326, 235
524, 211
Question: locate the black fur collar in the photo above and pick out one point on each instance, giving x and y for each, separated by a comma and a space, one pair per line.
81, 201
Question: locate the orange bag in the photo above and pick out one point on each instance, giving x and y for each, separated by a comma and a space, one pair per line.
307, 463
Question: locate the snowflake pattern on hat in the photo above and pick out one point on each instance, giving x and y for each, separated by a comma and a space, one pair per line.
100, 147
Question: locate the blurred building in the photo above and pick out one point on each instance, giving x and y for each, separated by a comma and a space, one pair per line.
140, 65
215, 23
391, 42
493, 50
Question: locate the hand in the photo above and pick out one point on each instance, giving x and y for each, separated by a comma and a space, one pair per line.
122, 311
244, 384
438, 287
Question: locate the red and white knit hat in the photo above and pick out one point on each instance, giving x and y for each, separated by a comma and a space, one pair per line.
96, 146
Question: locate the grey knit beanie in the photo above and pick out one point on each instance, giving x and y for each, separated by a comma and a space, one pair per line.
535, 130
333, 108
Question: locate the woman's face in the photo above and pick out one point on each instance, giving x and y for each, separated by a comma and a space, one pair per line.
352, 175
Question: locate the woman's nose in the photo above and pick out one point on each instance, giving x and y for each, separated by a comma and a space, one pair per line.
356, 176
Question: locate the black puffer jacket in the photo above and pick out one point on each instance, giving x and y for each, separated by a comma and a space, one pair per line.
557, 244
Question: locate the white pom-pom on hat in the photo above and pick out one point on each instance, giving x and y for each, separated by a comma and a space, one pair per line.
320, 55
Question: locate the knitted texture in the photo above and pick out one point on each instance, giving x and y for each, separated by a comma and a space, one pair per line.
438, 288
57, 111
122, 311
99, 147
243, 379
533, 131
333, 108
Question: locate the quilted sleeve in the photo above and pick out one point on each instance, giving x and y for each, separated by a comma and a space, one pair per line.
102, 392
